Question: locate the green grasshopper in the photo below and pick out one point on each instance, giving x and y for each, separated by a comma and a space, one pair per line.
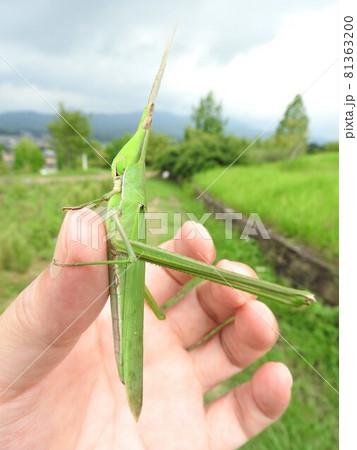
128, 252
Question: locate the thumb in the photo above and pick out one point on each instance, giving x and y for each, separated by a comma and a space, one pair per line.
42, 325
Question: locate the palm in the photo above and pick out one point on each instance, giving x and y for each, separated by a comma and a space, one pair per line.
71, 397
87, 399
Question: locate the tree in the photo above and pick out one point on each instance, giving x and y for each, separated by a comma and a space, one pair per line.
208, 115
292, 133
313, 147
28, 157
198, 151
95, 157
116, 145
68, 134
331, 147
158, 145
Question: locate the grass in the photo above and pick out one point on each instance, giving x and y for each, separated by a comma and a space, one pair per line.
30, 223
299, 198
28, 229
311, 421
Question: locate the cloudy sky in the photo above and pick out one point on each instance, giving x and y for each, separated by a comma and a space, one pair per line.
102, 56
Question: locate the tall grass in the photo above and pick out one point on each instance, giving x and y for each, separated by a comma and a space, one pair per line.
298, 198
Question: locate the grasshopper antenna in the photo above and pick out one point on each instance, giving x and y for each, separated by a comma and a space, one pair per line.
156, 85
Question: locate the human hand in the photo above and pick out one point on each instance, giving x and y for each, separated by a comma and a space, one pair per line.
59, 386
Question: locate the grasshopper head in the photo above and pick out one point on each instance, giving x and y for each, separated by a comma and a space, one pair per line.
134, 150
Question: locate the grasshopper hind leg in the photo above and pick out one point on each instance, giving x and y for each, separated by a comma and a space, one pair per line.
156, 309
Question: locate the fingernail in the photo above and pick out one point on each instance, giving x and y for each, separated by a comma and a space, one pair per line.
198, 229
230, 265
202, 231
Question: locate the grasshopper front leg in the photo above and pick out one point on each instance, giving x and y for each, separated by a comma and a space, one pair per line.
94, 203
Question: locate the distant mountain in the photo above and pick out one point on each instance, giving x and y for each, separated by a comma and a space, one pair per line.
108, 126
22, 121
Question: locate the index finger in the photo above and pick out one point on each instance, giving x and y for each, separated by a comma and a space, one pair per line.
192, 240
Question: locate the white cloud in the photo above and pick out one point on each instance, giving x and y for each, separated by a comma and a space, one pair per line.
262, 81
255, 57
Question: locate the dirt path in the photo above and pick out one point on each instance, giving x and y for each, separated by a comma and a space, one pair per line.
42, 179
